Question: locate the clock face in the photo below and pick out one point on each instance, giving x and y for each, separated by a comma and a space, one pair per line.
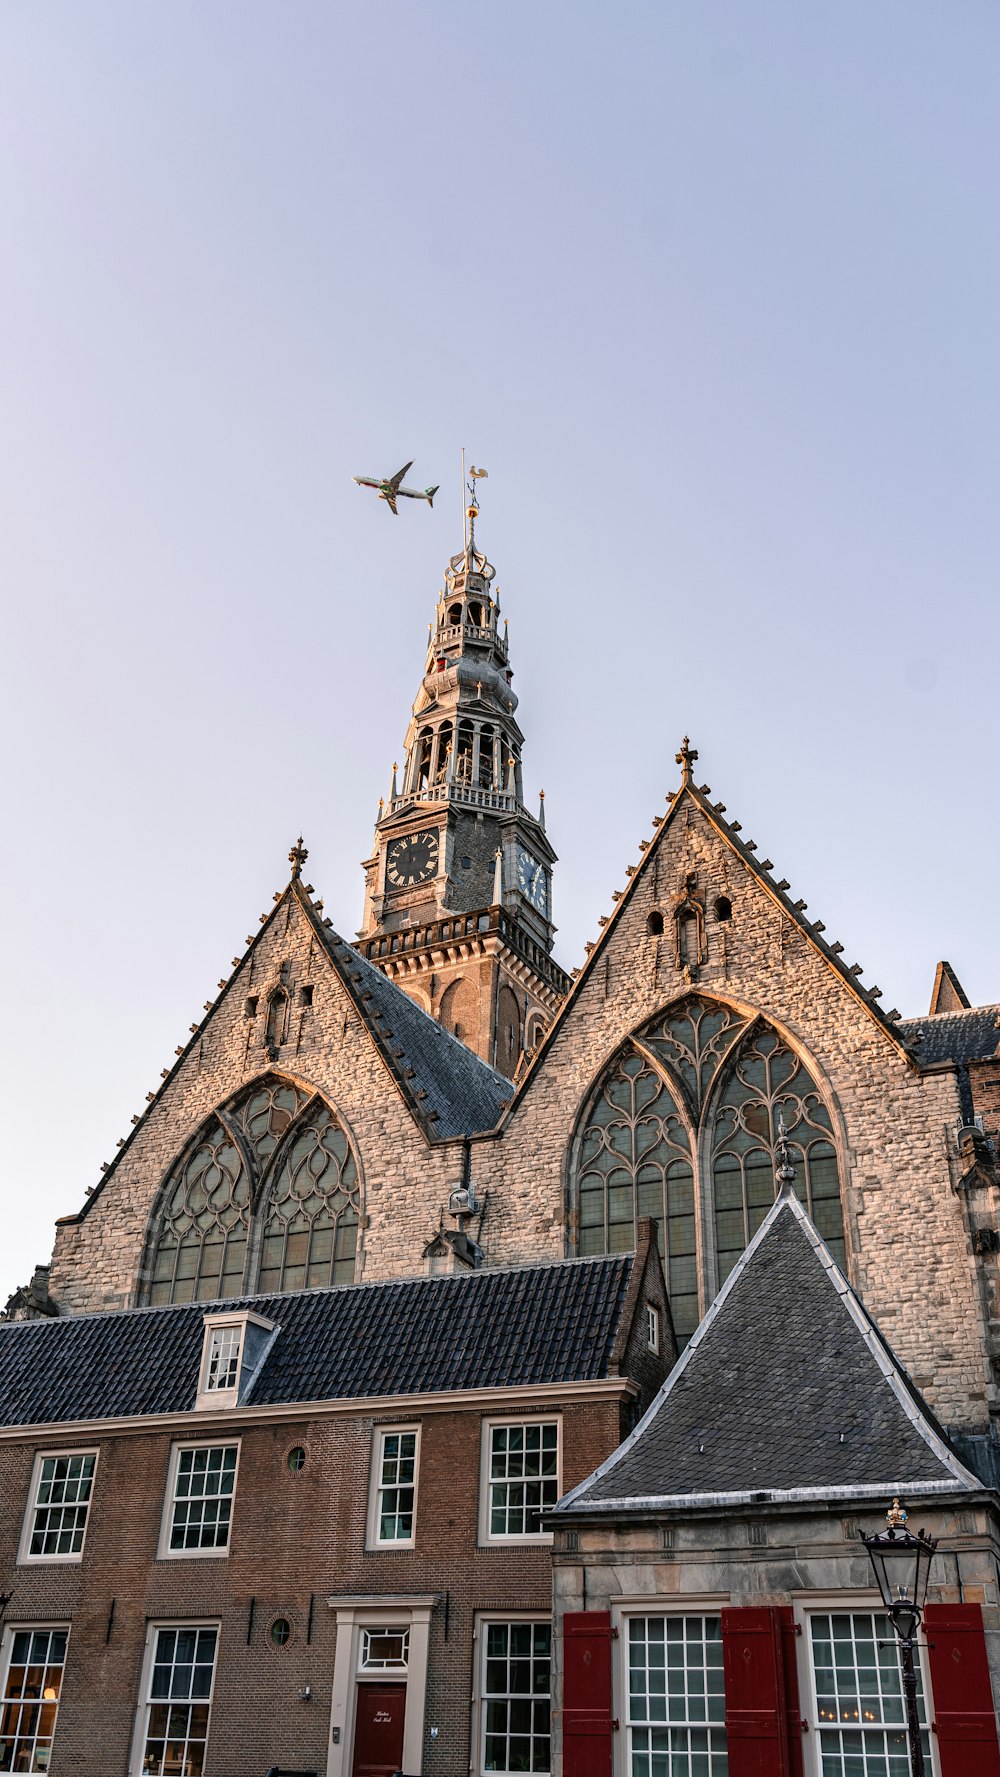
412, 860
531, 879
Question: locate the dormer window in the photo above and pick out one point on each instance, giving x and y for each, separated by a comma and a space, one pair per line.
234, 1348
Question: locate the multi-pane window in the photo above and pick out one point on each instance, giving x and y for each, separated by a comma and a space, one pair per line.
859, 1713
676, 1698
385, 1650
522, 1477
30, 1701
200, 1507
515, 1697
59, 1506
279, 1149
396, 1487
701, 1080
223, 1359
178, 1700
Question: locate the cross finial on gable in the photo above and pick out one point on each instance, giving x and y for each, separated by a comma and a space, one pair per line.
686, 758
297, 857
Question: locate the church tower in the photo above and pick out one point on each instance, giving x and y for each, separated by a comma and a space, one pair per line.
458, 890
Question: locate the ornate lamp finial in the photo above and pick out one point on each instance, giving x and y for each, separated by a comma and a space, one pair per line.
896, 1516
297, 857
685, 759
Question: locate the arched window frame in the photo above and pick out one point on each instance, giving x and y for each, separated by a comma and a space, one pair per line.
700, 1118
261, 1177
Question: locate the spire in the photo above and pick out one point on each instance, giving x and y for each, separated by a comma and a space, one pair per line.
541, 808
685, 759
297, 857
498, 878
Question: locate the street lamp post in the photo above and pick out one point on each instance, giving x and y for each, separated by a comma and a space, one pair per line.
902, 1564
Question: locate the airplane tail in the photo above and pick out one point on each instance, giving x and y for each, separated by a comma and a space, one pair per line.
430, 492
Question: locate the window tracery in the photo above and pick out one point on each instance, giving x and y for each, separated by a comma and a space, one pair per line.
312, 1211
276, 1158
701, 1080
201, 1252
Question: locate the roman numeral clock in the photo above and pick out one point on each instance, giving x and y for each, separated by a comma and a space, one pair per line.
412, 859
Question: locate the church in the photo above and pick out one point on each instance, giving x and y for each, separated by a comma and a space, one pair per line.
468, 1366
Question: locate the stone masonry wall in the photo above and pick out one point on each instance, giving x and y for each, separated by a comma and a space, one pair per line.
908, 1244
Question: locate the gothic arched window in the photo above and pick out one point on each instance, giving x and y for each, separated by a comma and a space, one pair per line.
274, 1176
697, 1095
767, 1081
202, 1247
635, 1160
311, 1211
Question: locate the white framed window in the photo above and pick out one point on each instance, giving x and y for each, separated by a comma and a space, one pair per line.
178, 1675
198, 1510
384, 1650
520, 1470
675, 1704
514, 1681
652, 1327
234, 1348
856, 1704
392, 1509
55, 1523
32, 1664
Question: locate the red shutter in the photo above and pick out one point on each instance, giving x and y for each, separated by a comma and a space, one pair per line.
586, 1715
962, 1696
761, 1689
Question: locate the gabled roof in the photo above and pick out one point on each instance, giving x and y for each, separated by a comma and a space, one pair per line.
786, 1392
948, 994
775, 887
490, 1329
446, 1087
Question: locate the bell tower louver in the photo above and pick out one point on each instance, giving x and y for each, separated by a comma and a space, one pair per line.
458, 890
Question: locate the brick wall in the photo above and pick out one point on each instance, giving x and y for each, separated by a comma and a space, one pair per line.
295, 1538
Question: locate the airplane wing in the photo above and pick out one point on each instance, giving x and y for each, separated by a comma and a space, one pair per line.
390, 500
394, 480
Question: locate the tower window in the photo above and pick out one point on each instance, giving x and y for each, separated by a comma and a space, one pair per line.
306, 995
466, 863
654, 924
723, 908
454, 614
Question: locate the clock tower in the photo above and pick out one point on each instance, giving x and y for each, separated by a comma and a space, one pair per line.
458, 889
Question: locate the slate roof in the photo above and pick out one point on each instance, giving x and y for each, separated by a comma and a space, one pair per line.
787, 1391
955, 1036
490, 1329
464, 1095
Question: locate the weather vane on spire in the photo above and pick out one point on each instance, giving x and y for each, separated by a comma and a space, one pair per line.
472, 509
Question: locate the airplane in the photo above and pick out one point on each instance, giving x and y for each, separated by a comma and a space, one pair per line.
390, 490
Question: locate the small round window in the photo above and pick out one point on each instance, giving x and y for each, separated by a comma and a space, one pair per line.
296, 1459
281, 1630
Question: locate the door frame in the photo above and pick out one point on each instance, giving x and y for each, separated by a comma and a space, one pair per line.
406, 1610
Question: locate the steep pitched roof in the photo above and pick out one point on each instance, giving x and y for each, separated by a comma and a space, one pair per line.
776, 888
786, 1392
491, 1329
445, 1084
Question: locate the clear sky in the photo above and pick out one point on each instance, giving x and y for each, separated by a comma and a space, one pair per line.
711, 290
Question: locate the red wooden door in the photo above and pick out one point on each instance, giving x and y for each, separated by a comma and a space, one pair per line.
378, 1730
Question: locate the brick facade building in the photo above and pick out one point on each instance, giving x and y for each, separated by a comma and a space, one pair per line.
438, 1100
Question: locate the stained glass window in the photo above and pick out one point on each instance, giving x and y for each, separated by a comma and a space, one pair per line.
201, 1253
276, 1147
635, 1161
767, 1081
707, 1069
312, 1210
